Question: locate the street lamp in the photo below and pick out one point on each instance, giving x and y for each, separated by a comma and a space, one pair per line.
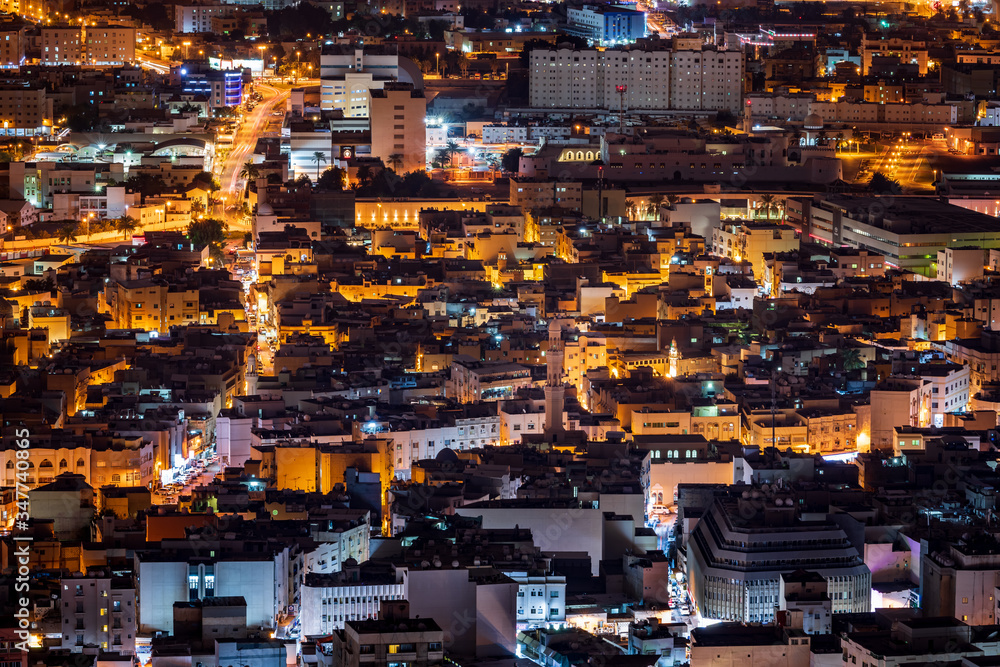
437, 64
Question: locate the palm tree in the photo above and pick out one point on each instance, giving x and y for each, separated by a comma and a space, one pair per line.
450, 150
319, 157
767, 203
653, 207
672, 201
850, 359
125, 225
248, 172
67, 234
630, 209
396, 161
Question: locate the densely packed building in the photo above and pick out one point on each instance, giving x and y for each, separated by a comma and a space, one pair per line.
431, 333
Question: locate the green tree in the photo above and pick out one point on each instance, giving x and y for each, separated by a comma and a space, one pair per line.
333, 178
249, 173
850, 359
209, 231
319, 157
767, 202
653, 206
511, 160
630, 209
206, 180
67, 234
450, 150
126, 225
882, 184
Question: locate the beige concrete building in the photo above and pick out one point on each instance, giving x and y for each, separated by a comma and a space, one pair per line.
62, 45
399, 137
109, 45
25, 111
12, 42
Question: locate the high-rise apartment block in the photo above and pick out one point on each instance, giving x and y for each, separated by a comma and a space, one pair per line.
688, 76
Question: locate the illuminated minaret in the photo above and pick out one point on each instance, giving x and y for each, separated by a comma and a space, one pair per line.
674, 358
555, 392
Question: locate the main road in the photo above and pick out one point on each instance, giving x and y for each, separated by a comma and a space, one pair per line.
243, 145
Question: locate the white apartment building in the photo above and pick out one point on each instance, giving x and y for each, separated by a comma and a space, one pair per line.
98, 610
541, 599
347, 74
790, 106
504, 134
198, 17
688, 78
330, 601
414, 444
956, 265
342, 542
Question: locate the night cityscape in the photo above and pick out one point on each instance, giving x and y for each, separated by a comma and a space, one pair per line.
430, 333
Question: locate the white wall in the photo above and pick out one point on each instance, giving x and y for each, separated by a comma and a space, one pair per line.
160, 585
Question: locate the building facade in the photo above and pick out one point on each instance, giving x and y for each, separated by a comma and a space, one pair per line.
400, 107
98, 611
738, 551
687, 78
